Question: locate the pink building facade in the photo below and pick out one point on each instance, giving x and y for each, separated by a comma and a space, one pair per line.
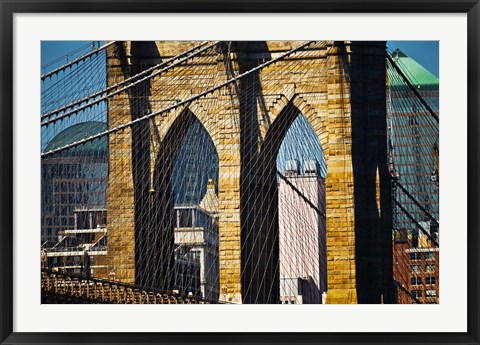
302, 235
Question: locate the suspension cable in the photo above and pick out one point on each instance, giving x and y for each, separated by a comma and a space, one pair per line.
181, 103
98, 100
56, 70
422, 229
411, 197
110, 88
304, 198
435, 116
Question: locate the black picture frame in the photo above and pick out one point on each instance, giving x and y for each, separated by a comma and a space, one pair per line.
10, 7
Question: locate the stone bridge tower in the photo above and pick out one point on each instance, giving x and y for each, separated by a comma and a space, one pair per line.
338, 86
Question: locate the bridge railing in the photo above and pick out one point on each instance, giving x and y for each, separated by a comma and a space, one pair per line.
73, 288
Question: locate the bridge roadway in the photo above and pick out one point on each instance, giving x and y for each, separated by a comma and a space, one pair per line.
66, 288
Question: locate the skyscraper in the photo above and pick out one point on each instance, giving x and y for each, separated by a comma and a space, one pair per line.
414, 165
302, 234
73, 179
414, 137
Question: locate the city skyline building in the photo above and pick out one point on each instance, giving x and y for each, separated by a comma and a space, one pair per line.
413, 137
81, 249
72, 179
196, 247
302, 234
414, 165
416, 268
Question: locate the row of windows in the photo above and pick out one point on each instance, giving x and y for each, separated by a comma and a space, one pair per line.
189, 217
83, 220
418, 268
426, 256
84, 200
428, 293
408, 95
428, 280
288, 302
75, 170
55, 222
79, 186
50, 219
75, 198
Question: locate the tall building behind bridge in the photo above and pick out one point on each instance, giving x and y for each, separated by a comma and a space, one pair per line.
302, 234
74, 178
81, 249
196, 247
414, 166
415, 268
414, 137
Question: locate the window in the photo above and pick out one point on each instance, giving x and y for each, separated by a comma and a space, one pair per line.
401, 236
430, 293
430, 280
417, 293
415, 256
416, 280
430, 268
429, 255
194, 255
415, 268
185, 218
412, 120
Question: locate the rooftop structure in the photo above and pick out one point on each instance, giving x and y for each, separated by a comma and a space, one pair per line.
81, 249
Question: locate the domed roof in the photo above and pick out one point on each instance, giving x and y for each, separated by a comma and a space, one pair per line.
78, 132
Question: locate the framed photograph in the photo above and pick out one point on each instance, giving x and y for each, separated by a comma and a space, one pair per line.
239, 172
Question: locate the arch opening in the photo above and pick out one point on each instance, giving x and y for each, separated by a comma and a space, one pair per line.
301, 215
285, 202
185, 210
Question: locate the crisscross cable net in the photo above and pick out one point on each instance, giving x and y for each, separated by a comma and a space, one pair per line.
413, 131
133, 162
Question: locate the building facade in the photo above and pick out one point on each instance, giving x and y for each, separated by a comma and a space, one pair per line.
414, 166
413, 139
302, 232
416, 268
81, 249
72, 179
196, 247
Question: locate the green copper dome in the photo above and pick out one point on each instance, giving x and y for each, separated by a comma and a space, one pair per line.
78, 132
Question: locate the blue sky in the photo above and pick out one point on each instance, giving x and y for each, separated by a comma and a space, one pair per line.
55, 52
